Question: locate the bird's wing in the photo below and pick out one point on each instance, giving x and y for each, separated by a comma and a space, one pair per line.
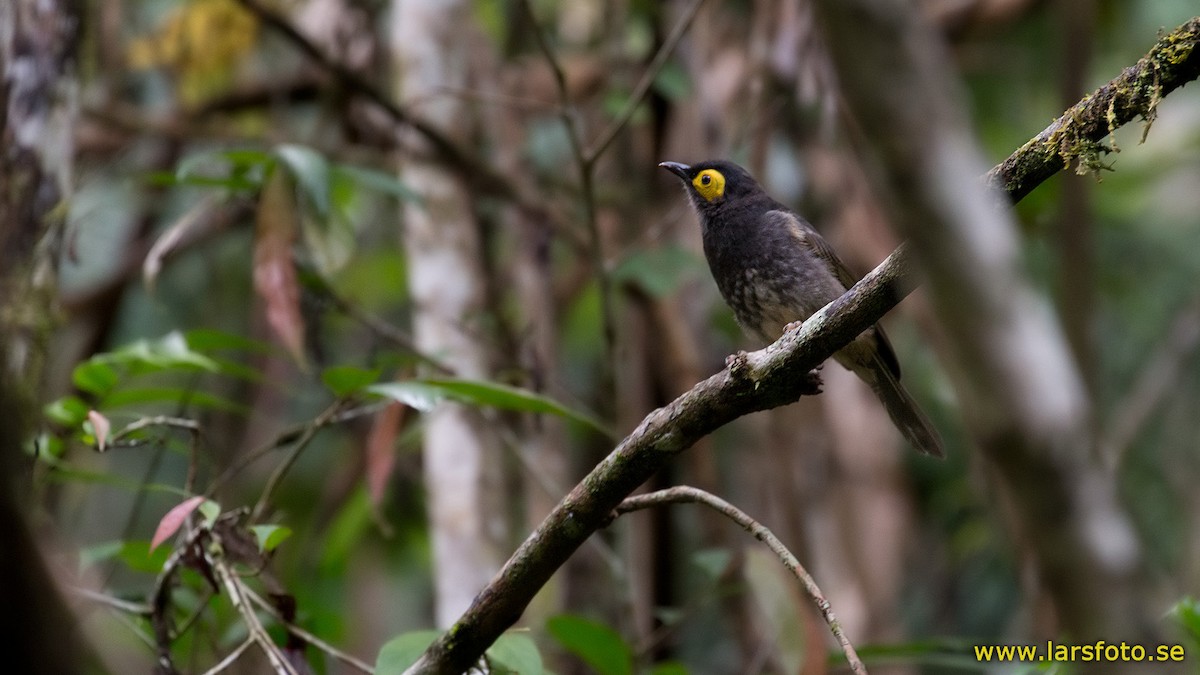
816, 244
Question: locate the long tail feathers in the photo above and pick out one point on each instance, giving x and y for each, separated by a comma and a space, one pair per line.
903, 410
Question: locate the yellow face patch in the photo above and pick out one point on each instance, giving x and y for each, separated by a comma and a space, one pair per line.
709, 184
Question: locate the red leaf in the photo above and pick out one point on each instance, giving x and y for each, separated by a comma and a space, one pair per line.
101, 426
171, 522
381, 449
274, 270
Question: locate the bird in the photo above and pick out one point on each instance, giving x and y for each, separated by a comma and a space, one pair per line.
774, 269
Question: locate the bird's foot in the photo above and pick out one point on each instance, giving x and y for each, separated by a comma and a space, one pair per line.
811, 386
792, 326
737, 364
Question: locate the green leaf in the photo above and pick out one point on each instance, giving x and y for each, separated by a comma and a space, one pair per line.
417, 395
210, 510
425, 394
94, 377
377, 181
270, 536
69, 411
45, 447
173, 396
226, 159
346, 380
209, 340
237, 369
66, 473
236, 169
98, 553
669, 668
515, 653
1187, 613
377, 277
345, 532
168, 352
505, 397
311, 171
137, 556
402, 651
596, 644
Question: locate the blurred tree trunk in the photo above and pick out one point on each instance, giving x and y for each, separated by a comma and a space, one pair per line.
38, 107
462, 454
1023, 400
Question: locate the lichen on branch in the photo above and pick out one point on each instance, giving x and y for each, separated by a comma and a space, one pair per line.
1077, 136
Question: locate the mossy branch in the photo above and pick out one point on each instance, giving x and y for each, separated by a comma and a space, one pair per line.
1077, 135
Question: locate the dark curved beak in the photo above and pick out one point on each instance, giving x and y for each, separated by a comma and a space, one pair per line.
682, 170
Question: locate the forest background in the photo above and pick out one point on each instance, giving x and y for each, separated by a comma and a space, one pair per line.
329, 302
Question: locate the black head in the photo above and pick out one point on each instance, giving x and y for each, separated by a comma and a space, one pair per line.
715, 183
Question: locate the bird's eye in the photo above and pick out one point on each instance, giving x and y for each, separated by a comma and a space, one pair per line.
709, 184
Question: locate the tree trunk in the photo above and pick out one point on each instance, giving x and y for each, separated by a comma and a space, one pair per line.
462, 455
38, 108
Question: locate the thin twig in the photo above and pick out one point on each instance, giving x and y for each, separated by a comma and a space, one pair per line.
385, 330
324, 646
182, 423
276, 477
287, 436
160, 599
230, 658
197, 612
586, 158
236, 590
137, 608
684, 494
610, 132
586, 166
136, 628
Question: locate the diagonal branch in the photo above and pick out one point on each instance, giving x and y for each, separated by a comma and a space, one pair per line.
1075, 136
760, 380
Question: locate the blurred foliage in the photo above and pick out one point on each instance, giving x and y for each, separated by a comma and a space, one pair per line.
201, 42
